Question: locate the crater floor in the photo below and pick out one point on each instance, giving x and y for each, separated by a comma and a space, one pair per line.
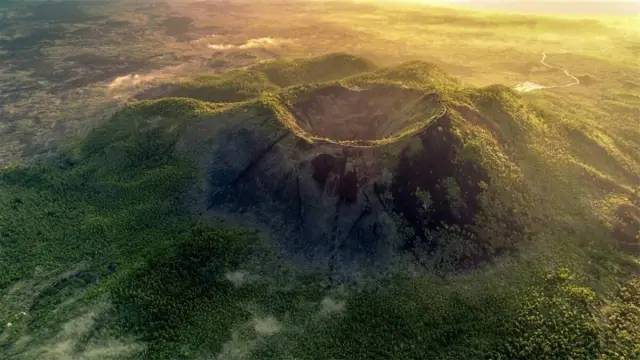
373, 113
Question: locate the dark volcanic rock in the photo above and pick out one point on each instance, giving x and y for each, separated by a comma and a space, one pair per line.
412, 186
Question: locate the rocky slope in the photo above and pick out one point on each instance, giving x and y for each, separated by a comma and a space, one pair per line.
364, 169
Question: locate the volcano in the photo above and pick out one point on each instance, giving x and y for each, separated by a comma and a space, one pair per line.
360, 170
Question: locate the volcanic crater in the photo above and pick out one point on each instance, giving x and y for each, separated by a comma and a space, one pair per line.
357, 174
371, 114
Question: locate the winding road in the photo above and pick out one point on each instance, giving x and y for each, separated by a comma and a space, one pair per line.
528, 86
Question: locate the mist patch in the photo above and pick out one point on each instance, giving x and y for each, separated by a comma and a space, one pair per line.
330, 306
267, 326
257, 43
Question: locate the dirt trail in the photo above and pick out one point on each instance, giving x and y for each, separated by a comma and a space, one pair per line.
575, 81
529, 86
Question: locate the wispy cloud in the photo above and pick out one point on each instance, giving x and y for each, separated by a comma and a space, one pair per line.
267, 326
329, 306
263, 42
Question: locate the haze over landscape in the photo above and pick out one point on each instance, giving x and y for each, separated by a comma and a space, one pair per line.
337, 180
593, 7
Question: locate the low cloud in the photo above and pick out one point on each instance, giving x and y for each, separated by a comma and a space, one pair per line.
238, 348
246, 337
528, 86
79, 337
237, 278
204, 39
129, 81
330, 306
126, 85
71, 341
267, 326
221, 46
263, 42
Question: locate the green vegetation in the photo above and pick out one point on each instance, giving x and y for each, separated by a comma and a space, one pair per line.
330, 67
184, 285
124, 176
101, 256
110, 207
242, 85
231, 87
415, 74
